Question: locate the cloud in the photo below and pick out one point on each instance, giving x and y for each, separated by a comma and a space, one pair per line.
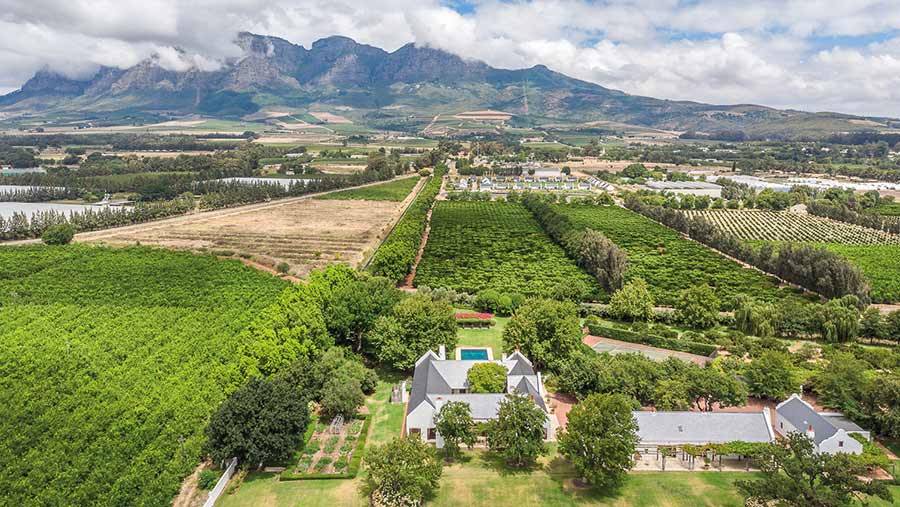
807, 54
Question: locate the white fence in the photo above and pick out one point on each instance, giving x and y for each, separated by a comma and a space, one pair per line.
220, 486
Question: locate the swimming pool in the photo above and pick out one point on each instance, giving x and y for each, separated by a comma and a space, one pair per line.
472, 354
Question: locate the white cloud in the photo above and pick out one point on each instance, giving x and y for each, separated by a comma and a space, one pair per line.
722, 51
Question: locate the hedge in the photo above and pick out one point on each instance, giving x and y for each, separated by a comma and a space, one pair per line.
701, 349
355, 460
470, 322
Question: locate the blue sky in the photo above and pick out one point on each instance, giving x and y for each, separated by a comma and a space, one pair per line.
807, 54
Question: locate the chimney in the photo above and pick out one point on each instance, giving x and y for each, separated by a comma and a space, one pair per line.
442, 352
503, 356
810, 432
540, 384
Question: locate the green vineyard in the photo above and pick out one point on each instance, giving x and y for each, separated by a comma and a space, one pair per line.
110, 363
667, 261
498, 245
759, 225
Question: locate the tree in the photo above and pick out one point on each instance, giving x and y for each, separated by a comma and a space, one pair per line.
600, 438
351, 311
518, 432
873, 324
698, 307
672, 394
341, 396
259, 422
455, 425
544, 330
892, 323
60, 234
602, 258
794, 475
403, 472
487, 378
632, 302
771, 376
416, 324
709, 386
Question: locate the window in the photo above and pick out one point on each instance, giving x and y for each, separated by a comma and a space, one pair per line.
840, 443
781, 425
432, 434
415, 431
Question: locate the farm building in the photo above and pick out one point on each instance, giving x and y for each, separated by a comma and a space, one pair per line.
438, 380
673, 429
829, 431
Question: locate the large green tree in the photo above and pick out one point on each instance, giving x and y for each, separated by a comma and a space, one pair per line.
455, 426
600, 438
403, 472
795, 475
259, 422
416, 324
632, 302
545, 330
709, 386
698, 307
771, 375
518, 432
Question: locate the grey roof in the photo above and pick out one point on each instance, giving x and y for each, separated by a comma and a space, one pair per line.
482, 406
841, 422
433, 376
672, 428
801, 415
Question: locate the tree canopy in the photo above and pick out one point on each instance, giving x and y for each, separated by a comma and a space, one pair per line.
600, 438
487, 378
455, 426
544, 330
518, 432
259, 422
404, 471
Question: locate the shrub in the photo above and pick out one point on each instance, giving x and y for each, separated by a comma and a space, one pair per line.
208, 479
330, 444
283, 268
61, 234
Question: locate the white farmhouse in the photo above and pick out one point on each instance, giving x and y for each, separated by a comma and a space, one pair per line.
438, 380
829, 431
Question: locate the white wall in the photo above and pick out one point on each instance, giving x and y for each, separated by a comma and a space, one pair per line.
832, 445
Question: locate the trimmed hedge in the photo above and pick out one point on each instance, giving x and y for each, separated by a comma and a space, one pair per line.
701, 349
352, 470
475, 322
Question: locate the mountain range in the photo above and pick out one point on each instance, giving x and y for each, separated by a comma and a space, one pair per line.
397, 89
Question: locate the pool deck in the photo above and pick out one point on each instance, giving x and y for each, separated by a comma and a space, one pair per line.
488, 350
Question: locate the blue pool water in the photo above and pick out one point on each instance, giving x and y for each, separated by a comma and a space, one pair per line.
468, 354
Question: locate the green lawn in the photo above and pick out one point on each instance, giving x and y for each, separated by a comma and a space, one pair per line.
478, 479
394, 190
483, 337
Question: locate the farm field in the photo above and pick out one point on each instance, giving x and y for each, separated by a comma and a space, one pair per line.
667, 261
759, 225
394, 190
498, 245
305, 233
109, 357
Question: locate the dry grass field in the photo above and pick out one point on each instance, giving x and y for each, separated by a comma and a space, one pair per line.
305, 233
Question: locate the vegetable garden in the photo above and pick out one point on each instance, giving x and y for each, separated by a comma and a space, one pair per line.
111, 362
668, 262
497, 245
759, 225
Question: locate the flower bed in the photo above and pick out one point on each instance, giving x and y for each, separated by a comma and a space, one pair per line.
474, 319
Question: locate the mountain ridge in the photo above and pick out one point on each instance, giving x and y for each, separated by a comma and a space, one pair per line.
337, 71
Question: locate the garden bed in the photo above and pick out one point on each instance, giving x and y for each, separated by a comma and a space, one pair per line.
326, 455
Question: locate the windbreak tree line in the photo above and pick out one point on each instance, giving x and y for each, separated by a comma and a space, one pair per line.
816, 269
590, 249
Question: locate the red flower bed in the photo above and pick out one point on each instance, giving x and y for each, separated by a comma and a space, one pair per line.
479, 316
